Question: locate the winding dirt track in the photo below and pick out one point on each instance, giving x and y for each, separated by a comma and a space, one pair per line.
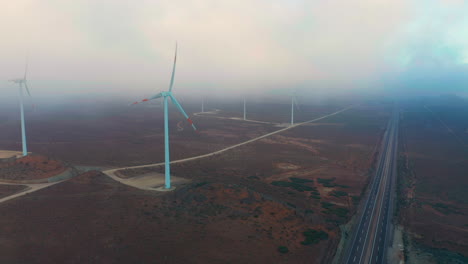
111, 172
30, 188
147, 184
210, 115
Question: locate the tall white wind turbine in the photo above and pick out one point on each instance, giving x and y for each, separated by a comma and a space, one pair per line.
166, 95
293, 104
23, 82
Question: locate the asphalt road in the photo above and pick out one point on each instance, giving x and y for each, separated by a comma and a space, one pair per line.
370, 239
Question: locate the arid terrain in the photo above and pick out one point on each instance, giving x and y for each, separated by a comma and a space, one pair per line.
318, 169
7, 190
31, 167
433, 165
276, 200
118, 135
113, 223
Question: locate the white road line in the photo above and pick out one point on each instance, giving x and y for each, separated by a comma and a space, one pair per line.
385, 175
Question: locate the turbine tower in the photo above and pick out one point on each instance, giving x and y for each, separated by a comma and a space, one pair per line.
293, 104
203, 105
166, 95
23, 82
244, 110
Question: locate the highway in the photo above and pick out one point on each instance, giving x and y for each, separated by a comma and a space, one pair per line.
373, 230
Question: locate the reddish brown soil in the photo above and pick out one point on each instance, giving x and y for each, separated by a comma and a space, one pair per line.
7, 190
345, 152
232, 213
107, 135
31, 167
436, 202
92, 219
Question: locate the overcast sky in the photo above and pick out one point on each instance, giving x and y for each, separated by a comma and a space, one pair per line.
116, 46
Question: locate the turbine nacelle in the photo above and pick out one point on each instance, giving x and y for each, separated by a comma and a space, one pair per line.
17, 81
21, 82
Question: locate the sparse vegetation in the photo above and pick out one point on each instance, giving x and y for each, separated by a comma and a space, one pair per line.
338, 193
327, 205
283, 249
313, 236
299, 180
332, 209
339, 211
327, 182
355, 199
445, 209
295, 185
200, 184
315, 195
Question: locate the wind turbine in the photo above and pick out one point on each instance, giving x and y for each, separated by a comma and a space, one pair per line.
203, 105
293, 103
245, 113
165, 95
21, 82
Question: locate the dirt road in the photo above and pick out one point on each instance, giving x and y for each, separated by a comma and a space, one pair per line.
111, 173
30, 188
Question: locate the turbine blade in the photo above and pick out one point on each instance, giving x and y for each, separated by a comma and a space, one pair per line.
26, 69
148, 99
179, 107
27, 89
296, 103
173, 69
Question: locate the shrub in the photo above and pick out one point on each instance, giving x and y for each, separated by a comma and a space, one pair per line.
313, 236
327, 205
201, 184
297, 186
339, 211
299, 180
283, 249
339, 193
326, 182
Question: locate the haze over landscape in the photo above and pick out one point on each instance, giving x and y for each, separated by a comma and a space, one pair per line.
282, 131
112, 47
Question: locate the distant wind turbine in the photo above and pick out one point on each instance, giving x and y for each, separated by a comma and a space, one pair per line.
165, 95
203, 105
21, 82
245, 113
293, 104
